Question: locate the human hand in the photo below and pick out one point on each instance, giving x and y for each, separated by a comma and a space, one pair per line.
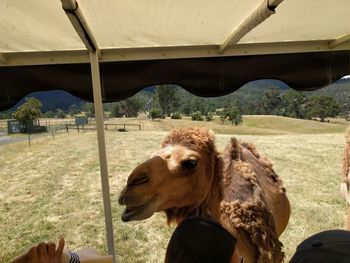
43, 253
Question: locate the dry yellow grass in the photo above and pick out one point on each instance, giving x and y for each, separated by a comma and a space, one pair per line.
53, 188
252, 124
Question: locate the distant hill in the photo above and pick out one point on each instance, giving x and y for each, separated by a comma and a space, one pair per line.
52, 100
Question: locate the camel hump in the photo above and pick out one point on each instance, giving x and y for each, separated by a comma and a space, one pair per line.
252, 194
233, 149
248, 153
245, 151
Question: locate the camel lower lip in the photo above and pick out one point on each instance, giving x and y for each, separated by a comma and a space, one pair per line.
128, 213
136, 213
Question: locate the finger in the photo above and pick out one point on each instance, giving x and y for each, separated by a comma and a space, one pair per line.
60, 247
32, 254
42, 251
51, 248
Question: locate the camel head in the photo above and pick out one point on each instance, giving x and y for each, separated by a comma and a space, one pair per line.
182, 178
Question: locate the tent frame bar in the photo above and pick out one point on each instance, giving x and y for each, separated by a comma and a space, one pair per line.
3, 58
339, 41
175, 52
80, 24
81, 27
96, 84
258, 16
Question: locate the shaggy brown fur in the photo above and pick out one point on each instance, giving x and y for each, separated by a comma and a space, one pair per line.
346, 158
245, 203
345, 176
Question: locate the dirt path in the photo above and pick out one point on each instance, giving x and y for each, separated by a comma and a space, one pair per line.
5, 139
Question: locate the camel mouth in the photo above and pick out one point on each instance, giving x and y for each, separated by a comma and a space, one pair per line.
141, 212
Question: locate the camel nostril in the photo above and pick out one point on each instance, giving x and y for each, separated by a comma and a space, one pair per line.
139, 180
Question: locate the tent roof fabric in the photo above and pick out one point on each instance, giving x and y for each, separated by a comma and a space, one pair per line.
41, 25
141, 43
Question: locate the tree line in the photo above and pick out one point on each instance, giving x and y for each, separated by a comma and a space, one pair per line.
172, 101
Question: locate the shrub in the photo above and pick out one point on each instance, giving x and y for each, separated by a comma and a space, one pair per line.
155, 113
209, 116
176, 115
197, 116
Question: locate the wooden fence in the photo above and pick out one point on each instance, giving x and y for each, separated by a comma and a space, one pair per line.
3, 125
114, 126
54, 125
107, 126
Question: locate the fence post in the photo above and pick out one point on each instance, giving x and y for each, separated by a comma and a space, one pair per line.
29, 139
67, 127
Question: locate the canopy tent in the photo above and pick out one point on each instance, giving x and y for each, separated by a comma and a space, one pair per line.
209, 47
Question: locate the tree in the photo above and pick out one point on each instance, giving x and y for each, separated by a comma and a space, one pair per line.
131, 106
27, 112
223, 116
271, 101
167, 98
232, 114
89, 109
322, 107
49, 114
73, 109
60, 114
5, 115
117, 110
294, 104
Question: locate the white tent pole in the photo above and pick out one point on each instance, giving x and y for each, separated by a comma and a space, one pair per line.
80, 25
96, 83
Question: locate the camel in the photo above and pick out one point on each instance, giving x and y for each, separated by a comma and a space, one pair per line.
238, 188
345, 176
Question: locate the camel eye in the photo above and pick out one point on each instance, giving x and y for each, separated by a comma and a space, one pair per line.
189, 164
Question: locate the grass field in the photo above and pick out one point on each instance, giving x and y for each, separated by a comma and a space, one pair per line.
252, 124
53, 188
